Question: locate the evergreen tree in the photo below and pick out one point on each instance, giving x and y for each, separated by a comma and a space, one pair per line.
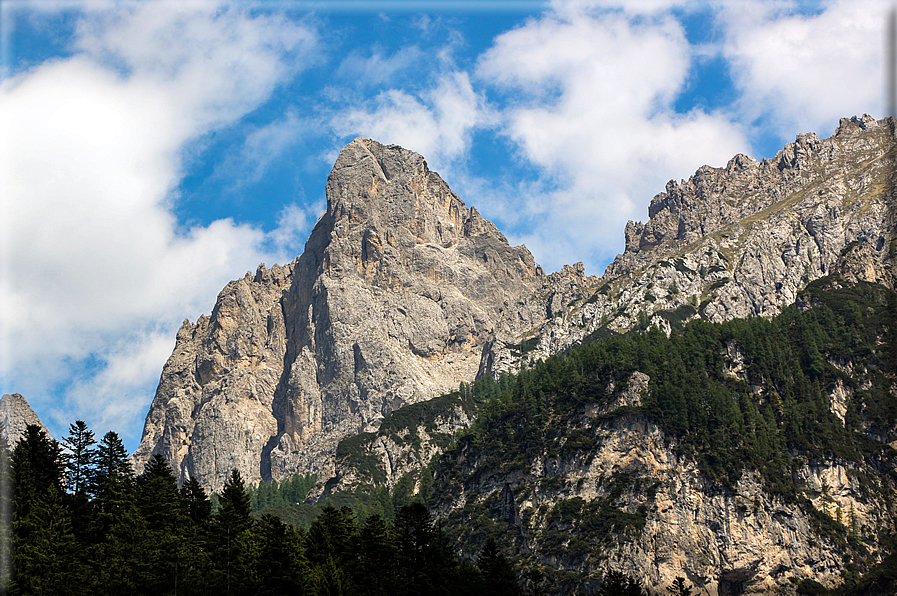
377, 558
44, 547
331, 547
111, 484
195, 499
80, 457
617, 583
160, 506
498, 574
45, 550
232, 539
282, 567
37, 461
196, 561
425, 562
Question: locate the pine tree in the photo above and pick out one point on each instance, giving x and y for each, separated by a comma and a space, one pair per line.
111, 484
80, 457
160, 506
231, 527
498, 574
332, 535
111, 471
376, 558
195, 499
282, 567
196, 561
37, 461
617, 583
44, 560
426, 564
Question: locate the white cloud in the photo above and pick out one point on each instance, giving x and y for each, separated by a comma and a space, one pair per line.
437, 123
294, 224
594, 111
804, 72
92, 255
378, 68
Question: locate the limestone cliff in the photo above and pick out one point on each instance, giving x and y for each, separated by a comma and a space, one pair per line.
586, 470
15, 415
391, 303
731, 242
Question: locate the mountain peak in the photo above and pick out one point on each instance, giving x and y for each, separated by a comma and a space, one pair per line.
392, 302
15, 415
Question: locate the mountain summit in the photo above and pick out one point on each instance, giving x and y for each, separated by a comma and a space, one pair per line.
391, 303
403, 292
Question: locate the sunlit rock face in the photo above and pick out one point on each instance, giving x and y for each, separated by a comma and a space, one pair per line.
403, 292
731, 242
15, 415
391, 303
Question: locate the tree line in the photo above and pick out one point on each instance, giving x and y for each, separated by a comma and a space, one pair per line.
82, 522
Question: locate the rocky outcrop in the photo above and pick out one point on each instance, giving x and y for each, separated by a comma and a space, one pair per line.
733, 242
15, 415
631, 498
391, 303
402, 447
403, 292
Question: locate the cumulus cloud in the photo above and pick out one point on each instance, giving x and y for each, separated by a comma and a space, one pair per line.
802, 72
437, 122
594, 110
91, 157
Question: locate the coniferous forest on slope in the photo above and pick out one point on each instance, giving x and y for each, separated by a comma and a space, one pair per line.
83, 522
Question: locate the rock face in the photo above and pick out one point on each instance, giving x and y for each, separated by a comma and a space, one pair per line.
391, 303
403, 292
15, 415
731, 242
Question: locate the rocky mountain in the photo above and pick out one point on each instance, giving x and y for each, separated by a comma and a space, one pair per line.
747, 456
397, 292
403, 292
730, 242
15, 415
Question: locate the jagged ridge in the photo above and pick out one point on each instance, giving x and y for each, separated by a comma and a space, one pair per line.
391, 302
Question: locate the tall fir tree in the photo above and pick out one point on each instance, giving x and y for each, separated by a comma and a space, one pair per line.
498, 574
168, 549
44, 547
79, 457
231, 536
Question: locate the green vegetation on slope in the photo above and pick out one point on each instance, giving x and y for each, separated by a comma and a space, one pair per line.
768, 411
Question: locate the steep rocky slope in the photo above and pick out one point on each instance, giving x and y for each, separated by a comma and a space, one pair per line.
403, 292
731, 242
15, 415
390, 304
746, 457
753, 456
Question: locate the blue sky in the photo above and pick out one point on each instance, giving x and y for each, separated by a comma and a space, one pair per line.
152, 151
